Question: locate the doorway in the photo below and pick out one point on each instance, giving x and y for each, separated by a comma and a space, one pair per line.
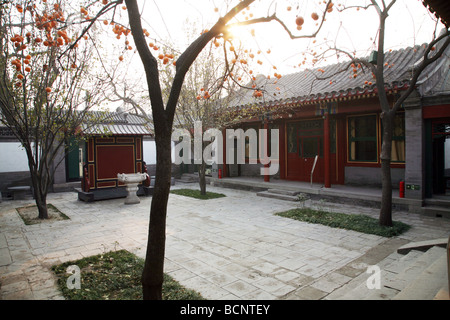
441, 157
74, 160
305, 142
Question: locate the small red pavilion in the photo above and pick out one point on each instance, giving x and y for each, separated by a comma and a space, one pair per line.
115, 145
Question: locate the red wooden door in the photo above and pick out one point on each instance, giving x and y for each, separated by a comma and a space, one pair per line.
302, 150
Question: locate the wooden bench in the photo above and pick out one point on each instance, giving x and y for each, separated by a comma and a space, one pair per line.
19, 192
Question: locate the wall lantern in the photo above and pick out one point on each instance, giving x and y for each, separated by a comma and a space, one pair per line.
373, 57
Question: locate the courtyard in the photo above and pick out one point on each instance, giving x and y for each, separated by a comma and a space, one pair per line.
230, 248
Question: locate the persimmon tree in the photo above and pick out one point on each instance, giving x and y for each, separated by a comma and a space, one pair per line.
163, 110
43, 99
389, 110
235, 14
358, 68
207, 89
377, 68
163, 116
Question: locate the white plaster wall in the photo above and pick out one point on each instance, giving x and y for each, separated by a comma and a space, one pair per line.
12, 157
150, 151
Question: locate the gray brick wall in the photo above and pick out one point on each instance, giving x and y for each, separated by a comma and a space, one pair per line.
414, 148
371, 176
11, 179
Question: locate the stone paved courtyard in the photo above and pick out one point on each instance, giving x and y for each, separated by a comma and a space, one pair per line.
226, 248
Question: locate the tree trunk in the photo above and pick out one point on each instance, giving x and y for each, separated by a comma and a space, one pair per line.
39, 185
41, 203
153, 273
386, 180
202, 178
386, 194
152, 276
40, 195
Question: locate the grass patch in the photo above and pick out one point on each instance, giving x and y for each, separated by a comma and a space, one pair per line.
115, 275
30, 214
360, 223
196, 194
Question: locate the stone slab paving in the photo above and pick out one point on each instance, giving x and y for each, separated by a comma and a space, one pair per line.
227, 248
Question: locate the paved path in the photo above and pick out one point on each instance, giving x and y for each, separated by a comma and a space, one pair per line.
228, 248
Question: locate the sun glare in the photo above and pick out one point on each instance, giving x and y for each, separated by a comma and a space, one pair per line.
237, 33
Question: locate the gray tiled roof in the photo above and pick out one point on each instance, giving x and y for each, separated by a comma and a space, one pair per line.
117, 123
303, 87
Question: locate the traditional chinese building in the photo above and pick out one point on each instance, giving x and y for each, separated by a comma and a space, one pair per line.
440, 8
338, 120
114, 145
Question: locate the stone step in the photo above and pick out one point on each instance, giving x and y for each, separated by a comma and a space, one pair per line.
67, 187
399, 272
356, 289
284, 192
414, 269
189, 177
388, 267
268, 194
403, 260
437, 207
428, 283
436, 211
381, 256
385, 293
439, 202
443, 294
422, 245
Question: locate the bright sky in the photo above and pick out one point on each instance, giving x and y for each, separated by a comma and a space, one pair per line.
409, 23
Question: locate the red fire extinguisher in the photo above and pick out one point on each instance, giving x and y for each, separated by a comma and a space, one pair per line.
402, 189
220, 173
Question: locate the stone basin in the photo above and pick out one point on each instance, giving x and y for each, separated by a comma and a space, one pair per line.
132, 181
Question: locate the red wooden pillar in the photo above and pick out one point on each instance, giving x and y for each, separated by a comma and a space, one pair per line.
266, 146
326, 153
224, 152
282, 150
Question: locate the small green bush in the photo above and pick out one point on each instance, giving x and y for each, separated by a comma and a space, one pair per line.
115, 275
355, 222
